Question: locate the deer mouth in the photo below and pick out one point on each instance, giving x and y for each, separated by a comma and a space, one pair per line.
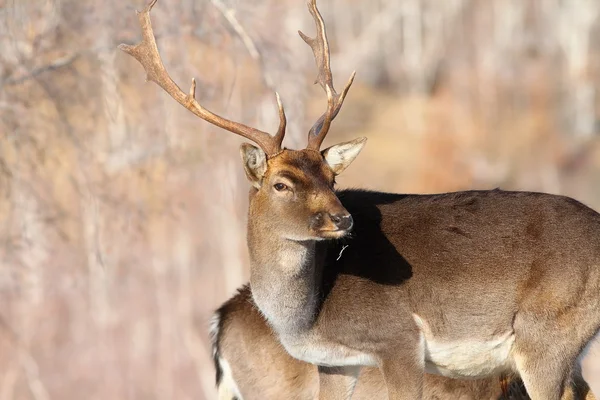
332, 233
332, 226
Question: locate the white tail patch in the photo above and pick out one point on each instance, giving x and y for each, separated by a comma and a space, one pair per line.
214, 328
228, 389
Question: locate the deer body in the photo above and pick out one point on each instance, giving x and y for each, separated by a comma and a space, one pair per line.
251, 364
258, 368
464, 284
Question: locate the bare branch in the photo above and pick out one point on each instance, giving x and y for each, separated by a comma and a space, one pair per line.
57, 64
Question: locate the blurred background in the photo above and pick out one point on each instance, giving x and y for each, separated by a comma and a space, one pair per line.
122, 216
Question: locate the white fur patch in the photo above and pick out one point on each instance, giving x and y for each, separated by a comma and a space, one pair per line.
228, 389
335, 156
339, 156
589, 362
213, 331
466, 358
292, 258
421, 350
327, 354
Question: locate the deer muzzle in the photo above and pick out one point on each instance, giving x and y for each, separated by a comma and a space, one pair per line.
332, 225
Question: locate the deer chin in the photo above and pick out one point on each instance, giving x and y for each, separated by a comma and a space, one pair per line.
325, 234
319, 235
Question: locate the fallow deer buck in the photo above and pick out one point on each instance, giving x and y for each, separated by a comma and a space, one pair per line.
463, 284
251, 364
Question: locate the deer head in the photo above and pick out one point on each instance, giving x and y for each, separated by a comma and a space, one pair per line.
292, 192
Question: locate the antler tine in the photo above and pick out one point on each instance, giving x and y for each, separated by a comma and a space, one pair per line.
278, 138
320, 48
146, 53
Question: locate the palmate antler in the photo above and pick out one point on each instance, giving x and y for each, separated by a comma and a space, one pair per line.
146, 52
320, 48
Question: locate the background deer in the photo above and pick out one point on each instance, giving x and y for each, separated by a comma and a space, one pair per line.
466, 284
252, 364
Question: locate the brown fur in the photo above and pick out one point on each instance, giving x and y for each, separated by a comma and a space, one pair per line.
474, 266
263, 370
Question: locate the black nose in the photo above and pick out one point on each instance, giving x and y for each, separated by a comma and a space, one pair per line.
342, 221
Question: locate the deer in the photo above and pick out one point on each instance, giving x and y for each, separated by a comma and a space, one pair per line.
466, 284
251, 364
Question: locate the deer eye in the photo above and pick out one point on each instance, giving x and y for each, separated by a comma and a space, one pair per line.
280, 186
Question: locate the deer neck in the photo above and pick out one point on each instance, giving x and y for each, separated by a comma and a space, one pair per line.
283, 277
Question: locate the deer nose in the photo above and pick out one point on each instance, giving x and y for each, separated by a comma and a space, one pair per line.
342, 221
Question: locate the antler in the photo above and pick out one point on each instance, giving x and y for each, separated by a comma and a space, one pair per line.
320, 48
146, 52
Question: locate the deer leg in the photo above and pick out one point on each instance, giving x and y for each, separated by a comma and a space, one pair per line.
544, 376
589, 363
404, 370
404, 381
577, 389
337, 382
402, 365
548, 343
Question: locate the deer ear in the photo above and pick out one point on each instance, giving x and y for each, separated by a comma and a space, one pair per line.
340, 156
255, 163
